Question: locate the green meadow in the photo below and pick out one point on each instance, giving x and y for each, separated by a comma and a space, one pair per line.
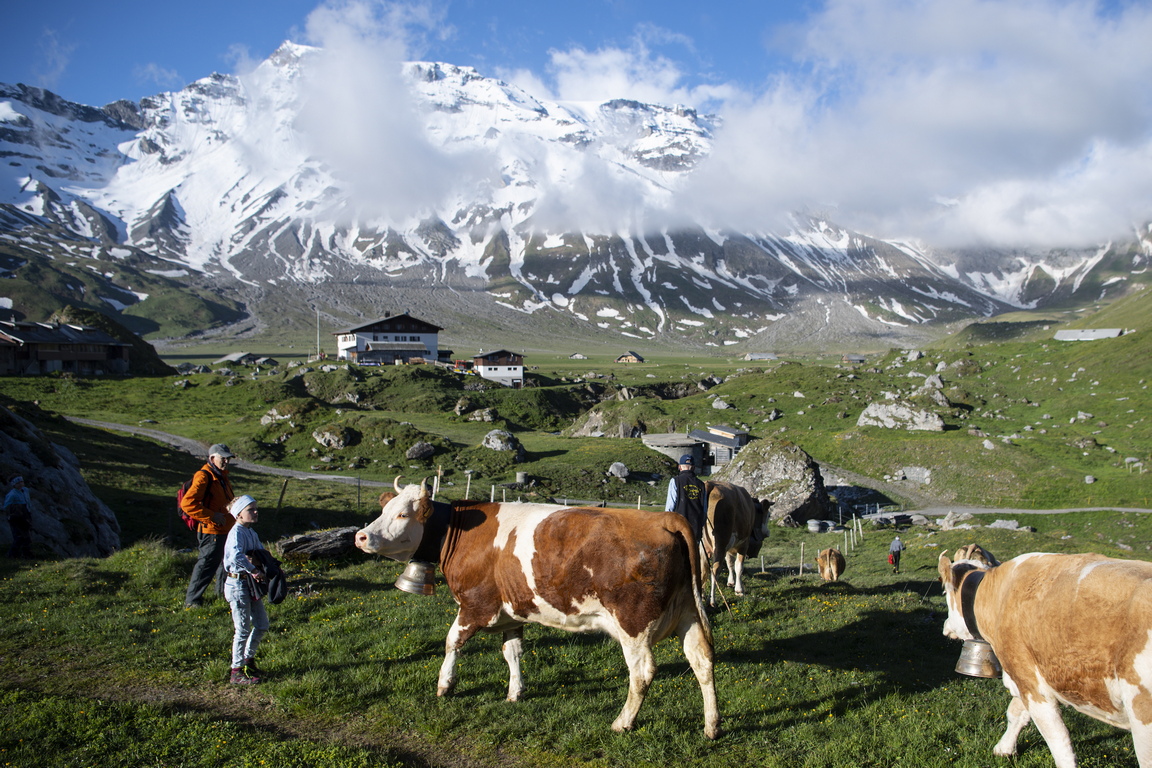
103, 667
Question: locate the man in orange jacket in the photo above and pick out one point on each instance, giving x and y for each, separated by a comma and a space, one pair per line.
207, 502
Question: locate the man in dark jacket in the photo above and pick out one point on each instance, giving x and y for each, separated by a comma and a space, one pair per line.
686, 496
207, 501
18, 507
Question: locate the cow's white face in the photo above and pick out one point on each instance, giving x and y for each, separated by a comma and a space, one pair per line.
954, 625
397, 532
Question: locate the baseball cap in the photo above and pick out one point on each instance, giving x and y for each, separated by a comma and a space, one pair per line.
221, 450
687, 459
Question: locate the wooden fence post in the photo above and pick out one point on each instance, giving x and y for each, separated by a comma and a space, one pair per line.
283, 487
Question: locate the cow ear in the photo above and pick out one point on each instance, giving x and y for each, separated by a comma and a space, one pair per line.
945, 568
386, 497
423, 509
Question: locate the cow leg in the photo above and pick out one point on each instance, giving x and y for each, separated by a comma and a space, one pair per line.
698, 651
736, 567
641, 670
713, 569
1142, 742
733, 579
1017, 717
1046, 714
513, 648
458, 634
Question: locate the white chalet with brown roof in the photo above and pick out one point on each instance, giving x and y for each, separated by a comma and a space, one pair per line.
501, 366
389, 340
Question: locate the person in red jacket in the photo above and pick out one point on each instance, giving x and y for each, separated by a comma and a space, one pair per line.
207, 502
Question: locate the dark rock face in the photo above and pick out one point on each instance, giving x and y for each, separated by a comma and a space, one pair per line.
67, 518
420, 450
784, 474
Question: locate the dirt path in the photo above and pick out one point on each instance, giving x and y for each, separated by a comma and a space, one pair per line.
200, 450
942, 510
921, 503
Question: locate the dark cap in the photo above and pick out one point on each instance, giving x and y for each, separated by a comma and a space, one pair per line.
221, 450
687, 459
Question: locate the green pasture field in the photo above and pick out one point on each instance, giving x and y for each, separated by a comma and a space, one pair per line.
104, 668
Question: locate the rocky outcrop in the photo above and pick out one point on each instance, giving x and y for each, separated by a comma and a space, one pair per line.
782, 473
618, 469
501, 440
334, 437
420, 450
486, 415
67, 518
899, 415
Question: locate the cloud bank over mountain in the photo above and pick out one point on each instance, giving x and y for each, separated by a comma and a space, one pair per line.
958, 122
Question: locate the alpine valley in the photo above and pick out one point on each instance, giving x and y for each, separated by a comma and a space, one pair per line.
228, 209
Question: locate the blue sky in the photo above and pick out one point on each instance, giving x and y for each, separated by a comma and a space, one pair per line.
1006, 122
95, 53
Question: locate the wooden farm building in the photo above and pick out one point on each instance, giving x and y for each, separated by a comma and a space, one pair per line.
37, 348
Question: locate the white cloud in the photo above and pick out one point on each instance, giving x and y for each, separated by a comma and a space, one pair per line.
1033, 117
636, 72
55, 57
358, 114
1007, 122
154, 74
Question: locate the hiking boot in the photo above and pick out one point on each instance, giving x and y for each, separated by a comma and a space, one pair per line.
193, 604
240, 678
250, 668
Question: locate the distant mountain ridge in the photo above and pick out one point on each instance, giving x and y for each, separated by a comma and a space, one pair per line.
196, 208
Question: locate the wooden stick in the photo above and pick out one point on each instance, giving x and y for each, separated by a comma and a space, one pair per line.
283, 488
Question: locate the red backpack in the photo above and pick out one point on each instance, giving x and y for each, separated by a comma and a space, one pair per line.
192, 523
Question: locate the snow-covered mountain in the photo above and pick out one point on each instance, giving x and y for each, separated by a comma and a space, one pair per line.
465, 197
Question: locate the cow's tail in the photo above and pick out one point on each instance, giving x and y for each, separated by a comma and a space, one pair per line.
684, 533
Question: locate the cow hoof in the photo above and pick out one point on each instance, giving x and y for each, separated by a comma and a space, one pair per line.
714, 732
445, 690
621, 727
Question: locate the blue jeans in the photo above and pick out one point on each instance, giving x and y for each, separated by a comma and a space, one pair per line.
249, 618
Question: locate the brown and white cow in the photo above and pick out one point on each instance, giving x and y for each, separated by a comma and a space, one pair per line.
830, 562
1067, 629
629, 573
733, 517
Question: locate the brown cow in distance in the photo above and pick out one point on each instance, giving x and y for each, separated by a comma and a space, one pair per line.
631, 574
831, 564
1067, 629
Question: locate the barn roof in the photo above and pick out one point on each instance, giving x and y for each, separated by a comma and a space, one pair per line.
21, 332
428, 327
727, 441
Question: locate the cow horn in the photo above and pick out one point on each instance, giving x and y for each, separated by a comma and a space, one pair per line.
396, 484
